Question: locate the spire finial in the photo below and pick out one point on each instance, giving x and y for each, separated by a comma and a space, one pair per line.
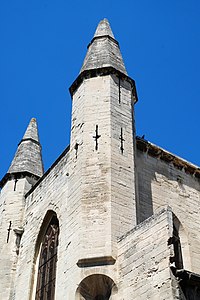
28, 156
31, 131
103, 28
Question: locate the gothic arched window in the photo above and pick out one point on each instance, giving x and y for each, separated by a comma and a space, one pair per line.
46, 277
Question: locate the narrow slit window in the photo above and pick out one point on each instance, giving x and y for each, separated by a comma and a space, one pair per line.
96, 137
119, 90
121, 137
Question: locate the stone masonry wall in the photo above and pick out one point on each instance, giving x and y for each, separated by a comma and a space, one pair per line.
162, 184
50, 194
122, 161
144, 260
12, 204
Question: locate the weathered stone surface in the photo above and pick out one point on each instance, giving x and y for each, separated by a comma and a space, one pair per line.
144, 259
161, 183
103, 51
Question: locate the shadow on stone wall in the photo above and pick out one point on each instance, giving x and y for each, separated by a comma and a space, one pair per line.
170, 182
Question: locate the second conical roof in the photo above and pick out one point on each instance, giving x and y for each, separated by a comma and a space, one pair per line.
28, 156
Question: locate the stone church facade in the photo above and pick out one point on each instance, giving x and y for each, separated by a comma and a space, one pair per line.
115, 216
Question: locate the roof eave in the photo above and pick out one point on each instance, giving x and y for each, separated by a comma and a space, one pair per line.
91, 73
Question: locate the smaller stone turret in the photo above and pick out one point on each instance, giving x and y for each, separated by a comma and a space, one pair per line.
26, 168
28, 159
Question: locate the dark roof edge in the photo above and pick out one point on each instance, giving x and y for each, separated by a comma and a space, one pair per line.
102, 72
155, 151
31, 140
15, 176
186, 276
103, 36
48, 171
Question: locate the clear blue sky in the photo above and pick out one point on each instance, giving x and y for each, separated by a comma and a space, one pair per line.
42, 47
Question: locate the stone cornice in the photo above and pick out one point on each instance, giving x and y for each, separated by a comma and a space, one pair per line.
15, 176
31, 140
102, 72
157, 152
103, 36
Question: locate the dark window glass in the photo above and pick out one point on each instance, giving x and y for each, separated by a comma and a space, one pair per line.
47, 263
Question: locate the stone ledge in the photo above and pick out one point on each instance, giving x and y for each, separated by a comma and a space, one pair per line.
102, 72
146, 222
103, 36
31, 140
96, 261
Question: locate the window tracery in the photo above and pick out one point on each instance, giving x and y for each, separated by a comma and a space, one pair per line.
46, 277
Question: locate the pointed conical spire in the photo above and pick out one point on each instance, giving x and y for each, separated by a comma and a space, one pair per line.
103, 51
31, 131
28, 156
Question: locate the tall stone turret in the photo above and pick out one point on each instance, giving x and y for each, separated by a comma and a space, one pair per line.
26, 168
102, 195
